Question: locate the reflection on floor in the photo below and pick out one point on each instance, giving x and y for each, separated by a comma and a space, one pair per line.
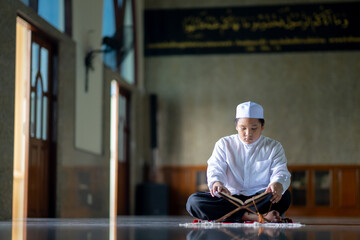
166, 227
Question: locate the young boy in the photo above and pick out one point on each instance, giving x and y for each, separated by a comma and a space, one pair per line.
244, 165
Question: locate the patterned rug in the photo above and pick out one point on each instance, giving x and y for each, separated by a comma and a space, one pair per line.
250, 224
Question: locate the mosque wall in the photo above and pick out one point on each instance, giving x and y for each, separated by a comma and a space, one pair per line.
310, 99
87, 33
83, 159
83, 118
7, 103
80, 175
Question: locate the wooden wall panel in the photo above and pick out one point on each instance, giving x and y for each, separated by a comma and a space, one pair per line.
344, 192
344, 189
123, 189
347, 188
182, 183
83, 192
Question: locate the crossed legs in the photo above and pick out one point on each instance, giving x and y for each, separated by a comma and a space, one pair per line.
203, 206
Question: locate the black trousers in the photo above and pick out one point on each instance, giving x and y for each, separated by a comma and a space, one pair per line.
203, 206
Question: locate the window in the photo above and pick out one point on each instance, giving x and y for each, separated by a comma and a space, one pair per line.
118, 21
53, 12
56, 12
39, 91
322, 188
299, 188
201, 182
109, 29
128, 56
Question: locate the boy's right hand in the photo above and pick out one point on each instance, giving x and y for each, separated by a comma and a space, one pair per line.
218, 187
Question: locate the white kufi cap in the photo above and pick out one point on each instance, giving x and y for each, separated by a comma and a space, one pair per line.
249, 110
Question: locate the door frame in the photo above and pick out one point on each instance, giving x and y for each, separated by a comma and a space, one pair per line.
21, 175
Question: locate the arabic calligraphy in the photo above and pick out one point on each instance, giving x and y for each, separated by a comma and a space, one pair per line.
253, 45
283, 19
301, 27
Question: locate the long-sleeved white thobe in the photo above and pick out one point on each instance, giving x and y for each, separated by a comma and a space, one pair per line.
247, 169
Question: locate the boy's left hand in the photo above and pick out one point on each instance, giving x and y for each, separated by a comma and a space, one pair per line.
276, 189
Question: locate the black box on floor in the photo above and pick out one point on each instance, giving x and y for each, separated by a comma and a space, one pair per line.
152, 199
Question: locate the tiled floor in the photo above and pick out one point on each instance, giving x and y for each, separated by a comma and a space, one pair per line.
159, 228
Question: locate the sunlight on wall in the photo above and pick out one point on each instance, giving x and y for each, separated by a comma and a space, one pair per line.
21, 132
113, 157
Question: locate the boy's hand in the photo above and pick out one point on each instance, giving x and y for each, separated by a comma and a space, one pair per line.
218, 187
276, 189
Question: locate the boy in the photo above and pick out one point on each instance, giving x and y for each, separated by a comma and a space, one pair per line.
244, 165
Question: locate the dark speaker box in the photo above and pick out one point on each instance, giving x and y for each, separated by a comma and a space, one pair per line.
151, 199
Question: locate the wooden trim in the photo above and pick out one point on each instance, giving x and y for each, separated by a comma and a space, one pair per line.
135, 43
358, 187
68, 17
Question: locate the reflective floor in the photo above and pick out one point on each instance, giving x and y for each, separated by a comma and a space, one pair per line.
158, 228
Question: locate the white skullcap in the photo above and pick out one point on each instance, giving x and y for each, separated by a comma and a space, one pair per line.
249, 110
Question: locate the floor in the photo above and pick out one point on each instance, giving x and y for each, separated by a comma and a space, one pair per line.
162, 227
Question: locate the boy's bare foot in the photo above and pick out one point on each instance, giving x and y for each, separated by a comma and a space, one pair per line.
272, 216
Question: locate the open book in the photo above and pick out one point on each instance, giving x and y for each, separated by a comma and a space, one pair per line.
255, 198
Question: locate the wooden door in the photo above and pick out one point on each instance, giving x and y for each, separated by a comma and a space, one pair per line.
123, 152
39, 168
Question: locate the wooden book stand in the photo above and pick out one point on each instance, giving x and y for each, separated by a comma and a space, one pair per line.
244, 205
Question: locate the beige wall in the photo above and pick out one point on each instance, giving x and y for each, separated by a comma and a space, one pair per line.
87, 33
311, 99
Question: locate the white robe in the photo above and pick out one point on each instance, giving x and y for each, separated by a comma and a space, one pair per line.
248, 168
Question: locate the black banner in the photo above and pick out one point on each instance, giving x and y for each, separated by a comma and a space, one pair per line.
281, 28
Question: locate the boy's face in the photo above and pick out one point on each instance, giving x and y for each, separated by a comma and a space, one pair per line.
249, 129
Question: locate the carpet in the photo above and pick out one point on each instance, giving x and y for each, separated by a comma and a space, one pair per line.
209, 225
